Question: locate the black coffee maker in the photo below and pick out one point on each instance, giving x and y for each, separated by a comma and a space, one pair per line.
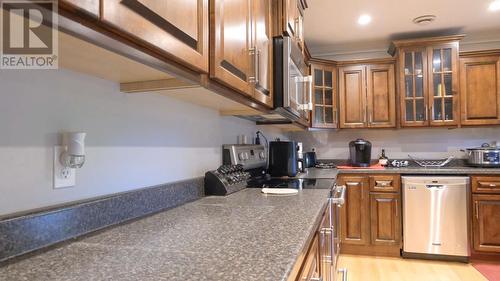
283, 158
360, 151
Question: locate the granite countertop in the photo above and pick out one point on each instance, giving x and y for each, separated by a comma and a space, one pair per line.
456, 167
244, 236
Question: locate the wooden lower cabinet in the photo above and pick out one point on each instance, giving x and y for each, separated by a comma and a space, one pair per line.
385, 219
371, 216
486, 223
311, 267
354, 215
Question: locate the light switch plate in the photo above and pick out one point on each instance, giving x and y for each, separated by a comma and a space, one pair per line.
63, 177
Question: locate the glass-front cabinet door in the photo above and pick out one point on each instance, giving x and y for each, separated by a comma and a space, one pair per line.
324, 111
414, 82
443, 92
428, 79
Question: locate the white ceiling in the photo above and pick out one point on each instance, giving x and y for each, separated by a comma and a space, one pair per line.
331, 26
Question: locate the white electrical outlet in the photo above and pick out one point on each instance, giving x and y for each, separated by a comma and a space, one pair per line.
63, 177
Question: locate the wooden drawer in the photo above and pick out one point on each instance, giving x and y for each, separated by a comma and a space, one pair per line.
485, 184
385, 183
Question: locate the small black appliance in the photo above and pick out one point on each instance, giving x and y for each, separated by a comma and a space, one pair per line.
360, 152
283, 158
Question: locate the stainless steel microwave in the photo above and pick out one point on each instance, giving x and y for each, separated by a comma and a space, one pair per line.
292, 87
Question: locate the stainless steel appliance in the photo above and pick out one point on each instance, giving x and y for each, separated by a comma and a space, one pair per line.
292, 87
360, 152
484, 156
283, 158
435, 217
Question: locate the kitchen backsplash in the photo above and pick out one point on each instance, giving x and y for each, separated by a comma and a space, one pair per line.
133, 140
428, 143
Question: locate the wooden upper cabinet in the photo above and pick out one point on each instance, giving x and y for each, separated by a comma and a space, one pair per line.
385, 218
486, 229
230, 47
355, 213
262, 26
178, 28
412, 86
291, 23
367, 96
352, 96
89, 7
480, 90
428, 81
381, 95
241, 47
324, 98
443, 84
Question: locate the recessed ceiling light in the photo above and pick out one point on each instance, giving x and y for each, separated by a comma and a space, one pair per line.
424, 20
364, 19
494, 6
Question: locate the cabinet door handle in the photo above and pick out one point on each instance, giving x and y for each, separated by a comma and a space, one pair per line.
257, 66
397, 208
476, 204
426, 108
253, 54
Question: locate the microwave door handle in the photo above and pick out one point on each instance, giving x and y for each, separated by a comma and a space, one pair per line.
309, 102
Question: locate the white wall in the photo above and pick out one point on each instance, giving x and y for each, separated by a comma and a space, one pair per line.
429, 143
133, 140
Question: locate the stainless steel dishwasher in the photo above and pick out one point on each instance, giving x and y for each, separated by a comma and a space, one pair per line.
435, 212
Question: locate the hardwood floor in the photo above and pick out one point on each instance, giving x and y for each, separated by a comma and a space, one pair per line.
362, 268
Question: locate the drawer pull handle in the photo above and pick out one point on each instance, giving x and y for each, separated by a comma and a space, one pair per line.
493, 185
383, 183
